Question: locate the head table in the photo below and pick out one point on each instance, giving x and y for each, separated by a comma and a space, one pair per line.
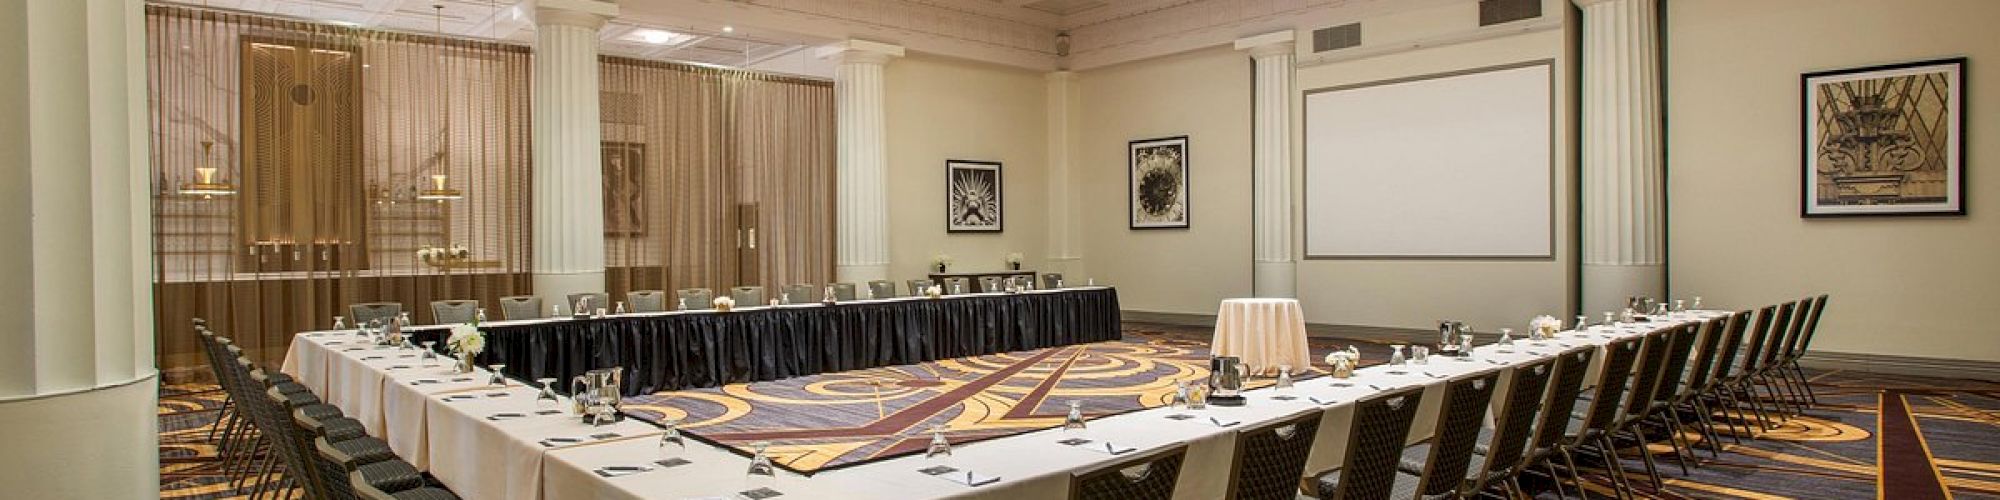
496, 442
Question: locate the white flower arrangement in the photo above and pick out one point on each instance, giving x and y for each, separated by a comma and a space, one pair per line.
466, 340
934, 291
941, 259
1014, 258
435, 254
1351, 355
723, 304
1544, 326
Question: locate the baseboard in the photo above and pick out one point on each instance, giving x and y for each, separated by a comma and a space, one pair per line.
1167, 318
1903, 365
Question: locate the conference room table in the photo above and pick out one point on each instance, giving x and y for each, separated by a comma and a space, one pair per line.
486, 441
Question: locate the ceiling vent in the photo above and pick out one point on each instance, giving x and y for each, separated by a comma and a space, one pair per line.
1493, 12
1337, 37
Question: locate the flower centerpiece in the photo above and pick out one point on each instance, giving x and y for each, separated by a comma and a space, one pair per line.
724, 304
465, 342
1344, 362
1014, 261
941, 262
1544, 327
934, 291
439, 256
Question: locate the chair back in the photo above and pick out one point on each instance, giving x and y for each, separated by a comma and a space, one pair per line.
1646, 375
1775, 342
1767, 319
1270, 459
1703, 365
1458, 424
1375, 438
882, 289
917, 287
1611, 378
592, 301
695, 299
647, 301
1514, 426
333, 467
1726, 349
1564, 388
990, 284
267, 412
799, 294
520, 307
1797, 347
957, 285
747, 295
1151, 476
1675, 365
843, 292
362, 313
1051, 281
452, 312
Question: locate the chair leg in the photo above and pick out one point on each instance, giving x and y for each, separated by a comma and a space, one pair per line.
1679, 441
221, 413
1645, 456
1803, 382
1550, 462
1609, 452
1707, 426
1726, 402
1749, 391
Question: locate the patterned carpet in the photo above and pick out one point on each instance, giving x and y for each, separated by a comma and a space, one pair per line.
1937, 436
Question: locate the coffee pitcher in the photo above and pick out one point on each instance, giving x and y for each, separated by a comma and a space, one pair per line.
597, 394
1226, 375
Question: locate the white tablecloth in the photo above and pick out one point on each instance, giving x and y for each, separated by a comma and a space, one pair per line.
1266, 333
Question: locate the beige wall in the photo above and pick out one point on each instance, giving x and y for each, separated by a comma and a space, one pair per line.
938, 109
1204, 95
1486, 294
1902, 286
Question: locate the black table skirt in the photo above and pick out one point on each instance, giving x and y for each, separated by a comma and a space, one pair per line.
694, 350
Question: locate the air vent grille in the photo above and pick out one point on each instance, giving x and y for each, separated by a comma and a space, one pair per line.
1337, 37
1493, 12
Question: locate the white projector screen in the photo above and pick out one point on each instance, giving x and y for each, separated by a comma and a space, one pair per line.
1454, 166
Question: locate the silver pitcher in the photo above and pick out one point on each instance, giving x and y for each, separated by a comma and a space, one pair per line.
596, 394
1226, 375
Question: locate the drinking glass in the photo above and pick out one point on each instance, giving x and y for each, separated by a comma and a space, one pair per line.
1420, 355
1465, 346
1396, 355
497, 378
939, 445
1582, 321
547, 398
430, 353
1680, 305
1180, 399
479, 315
1697, 302
1197, 395
761, 473
340, 322
620, 309
1506, 336
1284, 377
1074, 420
1609, 318
672, 436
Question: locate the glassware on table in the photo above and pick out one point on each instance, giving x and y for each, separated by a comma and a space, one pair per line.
1582, 321
1396, 355
1180, 396
430, 353
547, 397
672, 437
1506, 336
496, 378
374, 330
1697, 303
1680, 305
939, 445
556, 310
1074, 420
1465, 346
1284, 377
1609, 318
775, 302
1197, 396
620, 309
479, 315
760, 473
1420, 355
340, 322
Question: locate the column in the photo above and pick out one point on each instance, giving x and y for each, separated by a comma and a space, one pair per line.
568, 211
861, 227
1271, 58
1064, 256
76, 347
1623, 184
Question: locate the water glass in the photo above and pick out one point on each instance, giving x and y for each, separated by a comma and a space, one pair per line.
497, 378
1396, 355
430, 353
760, 474
1074, 420
340, 322
1420, 355
1284, 377
671, 442
939, 445
1697, 302
479, 315
547, 398
1506, 336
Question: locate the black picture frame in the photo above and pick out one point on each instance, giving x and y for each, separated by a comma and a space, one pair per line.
974, 197
1904, 168
1166, 185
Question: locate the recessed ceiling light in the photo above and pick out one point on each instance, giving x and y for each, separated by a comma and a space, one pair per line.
728, 29
656, 37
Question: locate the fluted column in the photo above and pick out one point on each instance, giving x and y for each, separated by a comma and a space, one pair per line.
1271, 163
78, 396
568, 216
861, 228
1623, 184
1064, 256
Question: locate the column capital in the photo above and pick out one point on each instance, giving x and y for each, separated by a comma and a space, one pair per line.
1268, 44
860, 52
583, 13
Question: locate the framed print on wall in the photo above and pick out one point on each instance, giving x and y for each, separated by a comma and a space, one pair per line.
624, 166
1884, 140
1158, 195
972, 196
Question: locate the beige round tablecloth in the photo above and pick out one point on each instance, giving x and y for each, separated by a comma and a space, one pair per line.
1264, 332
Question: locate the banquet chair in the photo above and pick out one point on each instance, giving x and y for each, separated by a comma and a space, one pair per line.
1798, 349
269, 411
1592, 426
340, 472
843, 291
1638, 403
235, 427
1716, 388
1375, 437
954, 286
297, 440
1740, 385
1700, 372
747, 295
990, 284
1771, 371
799, 293
365, 312
1052, 281
882, 289
1513, 427
1673, 368
591, 301
520, 307
647, 301
452, 312
1439, 464
917, 287
1149, 476
1757, 363
1782, 358
1270, 459
695, 299
1564, 386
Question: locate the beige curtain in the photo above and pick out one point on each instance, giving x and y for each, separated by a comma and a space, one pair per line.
719, 159
329, 138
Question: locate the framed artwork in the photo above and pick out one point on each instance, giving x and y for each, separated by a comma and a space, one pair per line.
624, 188
972, 196
1158, 195
1884, 140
